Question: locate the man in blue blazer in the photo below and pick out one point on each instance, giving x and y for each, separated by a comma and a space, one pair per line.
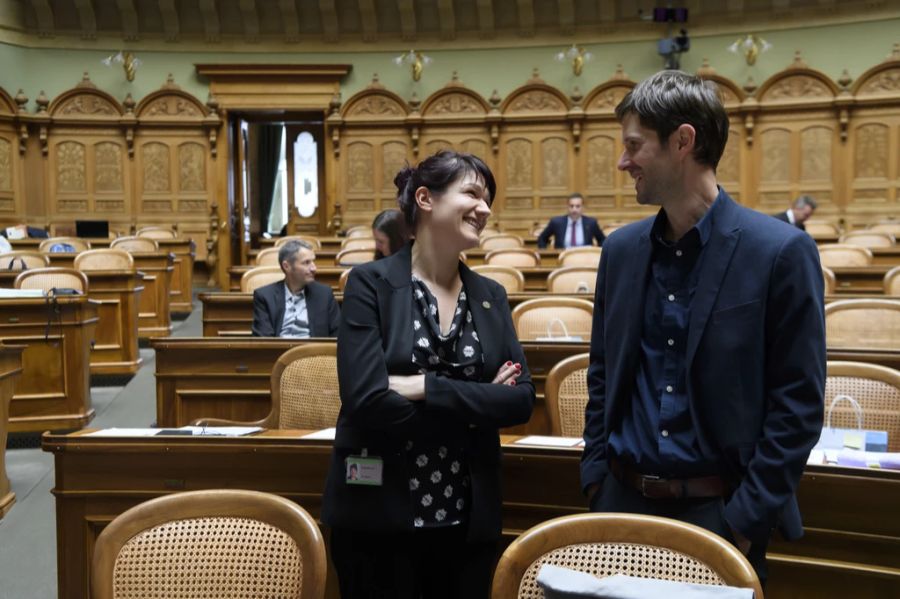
572, 230
296, 306
707, 368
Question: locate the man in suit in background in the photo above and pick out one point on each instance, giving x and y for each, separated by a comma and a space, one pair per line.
799, 212
572, 230
297, 306
707, 361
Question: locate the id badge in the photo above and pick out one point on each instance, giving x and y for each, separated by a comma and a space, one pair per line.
363, 470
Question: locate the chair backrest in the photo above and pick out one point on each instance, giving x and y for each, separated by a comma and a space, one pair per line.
305, 392
868, 239
157, 232
511, 279
612, 227
538, 318
358, 243
260, 276
23, 260
136, 244
633, 544
863, 324
887, 227
830, 280
354, 257
521, 257
538, 229
104, 259
891, 281
876, 389
268, 257
572, 279
342, 280
64, 245
566, 393
835, 255
500, 241
312, 241
821, 228
52, 277
581, 256
359, 231
215, 543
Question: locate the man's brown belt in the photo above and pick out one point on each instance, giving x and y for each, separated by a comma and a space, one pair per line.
654, 487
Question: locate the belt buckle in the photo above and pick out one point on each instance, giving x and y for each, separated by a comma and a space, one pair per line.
653, 480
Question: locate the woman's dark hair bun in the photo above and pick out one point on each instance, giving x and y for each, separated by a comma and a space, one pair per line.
403, 177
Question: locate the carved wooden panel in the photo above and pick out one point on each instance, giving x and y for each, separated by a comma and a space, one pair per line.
6, 165
776, 150
815, 154
375, 106
360, 174
108, 174
171, 106
393, 158
555, 162
192, 167
454, 104
728, 170
537, 100
519, 164
871, 151
71, 167
601, 162
435, 146
797, 87
607, 100
477, 147
87, 105
155, 161
885, 82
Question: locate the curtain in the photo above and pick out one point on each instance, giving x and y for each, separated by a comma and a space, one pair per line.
268, 162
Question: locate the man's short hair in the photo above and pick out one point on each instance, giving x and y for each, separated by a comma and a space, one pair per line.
665, 101
288, 250
805, 200
574, 195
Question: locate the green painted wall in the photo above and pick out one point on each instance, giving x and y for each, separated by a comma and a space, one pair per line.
830, 49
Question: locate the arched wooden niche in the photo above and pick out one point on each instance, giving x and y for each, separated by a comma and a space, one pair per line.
12, 145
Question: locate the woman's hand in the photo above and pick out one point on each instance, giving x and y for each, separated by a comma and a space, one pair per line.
508, 374
411, 387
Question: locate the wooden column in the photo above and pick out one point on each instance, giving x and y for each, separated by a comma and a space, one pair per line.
115, 349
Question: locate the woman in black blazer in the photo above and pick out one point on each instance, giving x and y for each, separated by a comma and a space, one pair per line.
429, 368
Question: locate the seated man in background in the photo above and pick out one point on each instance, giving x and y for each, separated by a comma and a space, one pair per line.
799, 212
572, 230
296, 306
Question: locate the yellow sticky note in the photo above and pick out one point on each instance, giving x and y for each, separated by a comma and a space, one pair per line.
854, 440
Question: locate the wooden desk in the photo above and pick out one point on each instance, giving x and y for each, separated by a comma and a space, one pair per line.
889, 256
182, 285
199, 377
10, 369
861, 280
54, 392
232, 312
852, 545
154, 310
115, 349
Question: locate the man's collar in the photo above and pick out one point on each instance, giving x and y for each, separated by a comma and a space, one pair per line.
790, 215
703, 226
300, 294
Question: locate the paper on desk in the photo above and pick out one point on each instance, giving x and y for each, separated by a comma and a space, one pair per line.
549, 441
221, 431
124, 432
856, 459
325, 434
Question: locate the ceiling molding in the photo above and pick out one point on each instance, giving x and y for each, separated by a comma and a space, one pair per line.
291, 21
250, 19
129, 20
567, 16
369, 20
486, 18
526, 17
44, 15
212, 28
329, 20
170, 19
407, 19
448, 19
87, 18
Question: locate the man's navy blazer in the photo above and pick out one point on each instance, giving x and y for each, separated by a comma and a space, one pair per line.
755, 358
376, 341
557, 229
321, 308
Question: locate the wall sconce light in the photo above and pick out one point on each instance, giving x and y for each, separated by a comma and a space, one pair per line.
751, 46
577, 55
129, 62
416, 60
